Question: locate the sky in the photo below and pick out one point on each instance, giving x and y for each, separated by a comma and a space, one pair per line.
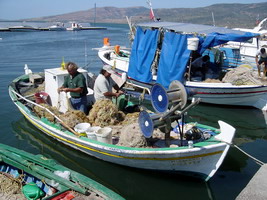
23, 9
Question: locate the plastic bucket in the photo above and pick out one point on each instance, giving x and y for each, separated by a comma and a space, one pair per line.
104, 135
92, 131
82, 128
41, 97
192, 44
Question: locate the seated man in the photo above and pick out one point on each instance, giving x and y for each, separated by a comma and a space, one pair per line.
201, 65
104, 84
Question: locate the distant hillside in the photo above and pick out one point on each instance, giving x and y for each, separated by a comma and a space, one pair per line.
231, 15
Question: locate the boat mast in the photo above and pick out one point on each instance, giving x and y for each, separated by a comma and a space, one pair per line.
95, 15
213, 20
85, 53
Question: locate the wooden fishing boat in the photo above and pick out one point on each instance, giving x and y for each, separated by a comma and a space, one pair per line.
196, 156
46, 179
162, 52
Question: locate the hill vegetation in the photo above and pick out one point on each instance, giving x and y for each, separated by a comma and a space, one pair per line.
230, 15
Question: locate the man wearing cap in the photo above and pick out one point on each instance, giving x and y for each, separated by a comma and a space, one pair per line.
104, 84
261, 58
75, 83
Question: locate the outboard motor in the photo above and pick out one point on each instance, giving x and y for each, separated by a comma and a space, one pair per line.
193, 134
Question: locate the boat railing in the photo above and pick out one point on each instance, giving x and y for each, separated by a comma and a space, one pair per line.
46, 109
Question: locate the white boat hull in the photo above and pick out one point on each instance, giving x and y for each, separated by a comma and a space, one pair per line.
108, 56
228, 94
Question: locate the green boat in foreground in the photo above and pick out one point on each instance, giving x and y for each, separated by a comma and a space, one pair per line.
44, 178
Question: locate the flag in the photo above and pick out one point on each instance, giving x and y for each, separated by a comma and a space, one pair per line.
151, 15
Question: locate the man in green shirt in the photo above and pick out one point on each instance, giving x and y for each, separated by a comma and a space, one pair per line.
75, 83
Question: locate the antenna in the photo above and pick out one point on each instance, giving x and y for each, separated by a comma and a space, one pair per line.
95, 15
213, 20
85, 53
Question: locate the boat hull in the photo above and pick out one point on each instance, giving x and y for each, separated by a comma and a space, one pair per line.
227, 94
110, 58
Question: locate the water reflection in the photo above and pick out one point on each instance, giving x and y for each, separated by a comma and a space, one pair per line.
129, 182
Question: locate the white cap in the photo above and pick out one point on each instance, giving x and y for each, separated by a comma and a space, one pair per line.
108, 68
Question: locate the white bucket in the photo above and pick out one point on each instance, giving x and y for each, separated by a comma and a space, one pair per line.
104, 135
82, 127
92, 131
192, 44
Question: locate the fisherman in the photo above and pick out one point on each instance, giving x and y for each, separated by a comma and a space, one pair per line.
201, 64
261, 58
75, 83
104, 84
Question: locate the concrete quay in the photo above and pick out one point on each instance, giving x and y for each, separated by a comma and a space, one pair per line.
257, 187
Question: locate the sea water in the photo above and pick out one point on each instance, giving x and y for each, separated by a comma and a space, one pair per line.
40, 50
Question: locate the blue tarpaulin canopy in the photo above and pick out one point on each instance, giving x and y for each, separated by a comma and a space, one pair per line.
212, 35
214, 39
173, 58
142, 55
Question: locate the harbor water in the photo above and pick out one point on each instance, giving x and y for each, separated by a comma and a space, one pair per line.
45, 49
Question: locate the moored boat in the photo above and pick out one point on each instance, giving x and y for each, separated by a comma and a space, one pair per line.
57, 27
160, 54
74, 26
248, 49
200, 155
43, 178
23, 28
115, 56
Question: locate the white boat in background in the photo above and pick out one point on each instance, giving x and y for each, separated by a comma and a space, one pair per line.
248, 49
23, 28
115, 56
74, 27
57, 27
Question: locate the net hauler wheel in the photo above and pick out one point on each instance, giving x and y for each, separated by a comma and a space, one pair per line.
159, 98
146, 124
177, 93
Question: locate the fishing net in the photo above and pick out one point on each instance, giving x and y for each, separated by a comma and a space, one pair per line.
209, 80
74, 117
130, 118
131, 136
10, 188
105, 113
44, 113
241, 76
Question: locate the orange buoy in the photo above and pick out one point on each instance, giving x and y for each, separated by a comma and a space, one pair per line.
106, 41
